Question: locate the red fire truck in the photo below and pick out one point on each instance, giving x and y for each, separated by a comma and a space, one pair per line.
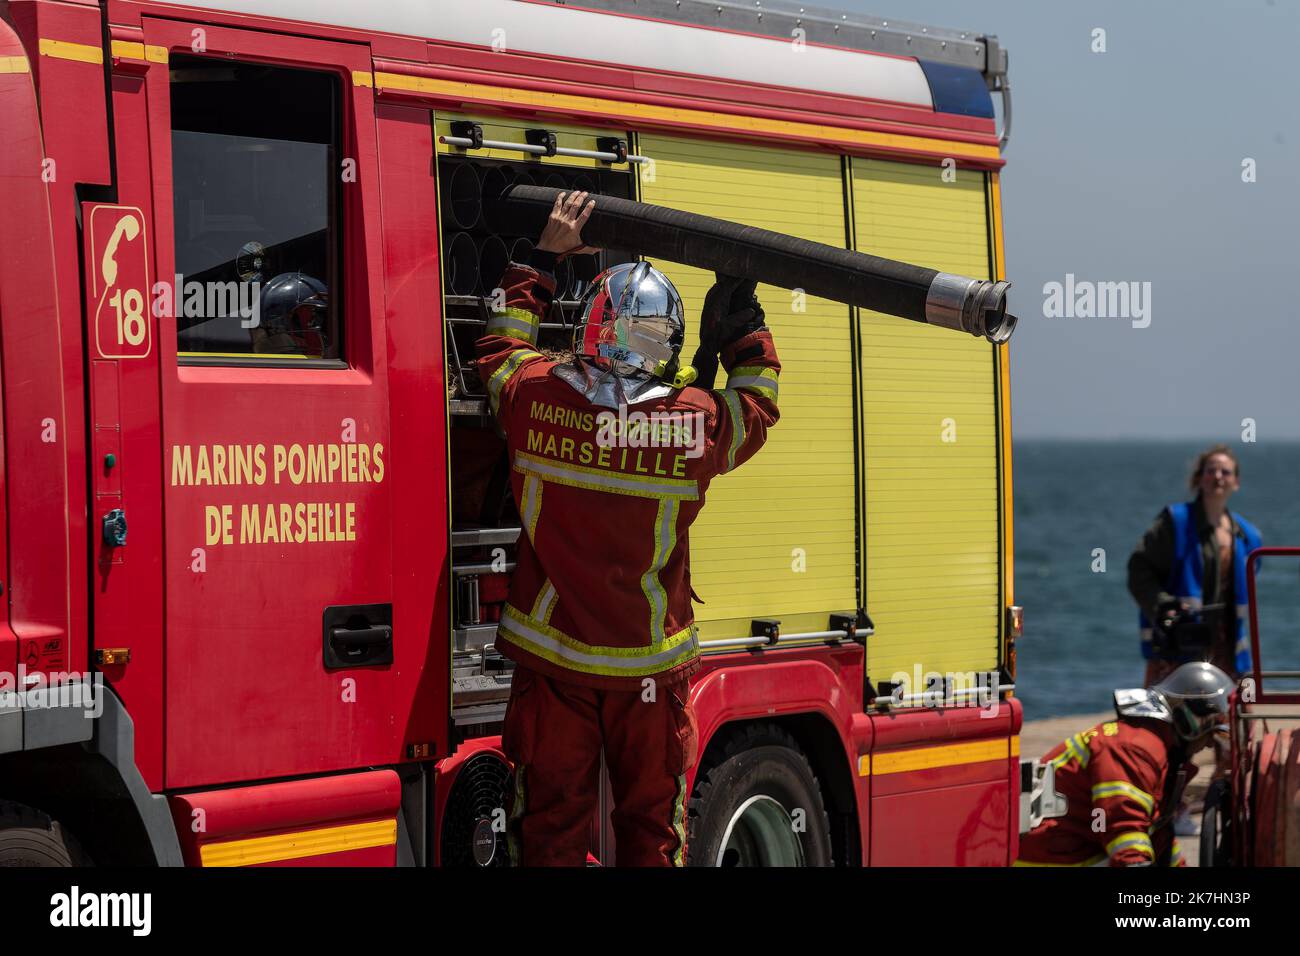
255, 529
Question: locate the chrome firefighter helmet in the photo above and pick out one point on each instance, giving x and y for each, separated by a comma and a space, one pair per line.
1193, 699
294, 314
632, 323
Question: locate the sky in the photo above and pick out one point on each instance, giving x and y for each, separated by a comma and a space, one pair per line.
1127, 166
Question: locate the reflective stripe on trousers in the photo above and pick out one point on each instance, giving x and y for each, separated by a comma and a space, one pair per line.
679, 822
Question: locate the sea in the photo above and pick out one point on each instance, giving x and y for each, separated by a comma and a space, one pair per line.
1080, 509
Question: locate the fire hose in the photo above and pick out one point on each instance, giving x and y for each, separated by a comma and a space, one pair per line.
976, 306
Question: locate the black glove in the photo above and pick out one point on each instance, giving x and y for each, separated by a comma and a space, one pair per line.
731, 311
1180, 634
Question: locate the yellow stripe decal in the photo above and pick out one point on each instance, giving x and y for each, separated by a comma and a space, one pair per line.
1015, 746
257, 356
949, 755
363, 78
63, 50
864, 765
14, 64
304, 843
1091, 861
568, 103
130, 50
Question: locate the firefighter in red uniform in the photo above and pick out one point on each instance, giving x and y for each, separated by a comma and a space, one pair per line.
611, 455
1123, 779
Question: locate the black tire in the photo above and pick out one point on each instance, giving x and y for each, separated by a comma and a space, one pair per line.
30, 838
761, 763
1216, 828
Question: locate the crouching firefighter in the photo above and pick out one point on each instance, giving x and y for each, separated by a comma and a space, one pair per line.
611, 455
1124, 779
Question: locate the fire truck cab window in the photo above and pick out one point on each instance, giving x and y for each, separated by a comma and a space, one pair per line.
255, 155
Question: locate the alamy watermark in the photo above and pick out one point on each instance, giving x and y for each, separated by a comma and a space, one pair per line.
1085, 299
78, 908
954, 689
49, 690
199, 300
637, 429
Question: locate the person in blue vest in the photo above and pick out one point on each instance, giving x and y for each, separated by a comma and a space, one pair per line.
1188, 575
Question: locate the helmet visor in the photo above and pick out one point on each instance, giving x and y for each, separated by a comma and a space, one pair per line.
634, 319
648, 315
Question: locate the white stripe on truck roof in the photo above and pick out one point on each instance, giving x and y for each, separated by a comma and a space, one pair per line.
615, 40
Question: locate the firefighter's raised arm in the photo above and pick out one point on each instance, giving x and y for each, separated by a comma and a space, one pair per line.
526, 292
733, 330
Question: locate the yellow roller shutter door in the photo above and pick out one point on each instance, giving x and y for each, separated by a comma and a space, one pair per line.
775, 539
931, 432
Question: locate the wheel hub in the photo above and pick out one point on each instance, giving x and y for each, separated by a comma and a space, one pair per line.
760, 833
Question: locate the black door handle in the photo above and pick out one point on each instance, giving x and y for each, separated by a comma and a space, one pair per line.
357, 635
362, 638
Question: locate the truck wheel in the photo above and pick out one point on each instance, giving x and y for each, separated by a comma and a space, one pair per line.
30, 838
758, 804
1216, 830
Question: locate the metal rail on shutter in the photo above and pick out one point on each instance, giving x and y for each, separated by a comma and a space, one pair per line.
939, 698
766, 632
541, 142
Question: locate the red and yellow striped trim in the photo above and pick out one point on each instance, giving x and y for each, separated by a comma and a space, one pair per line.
930, 758
300, 844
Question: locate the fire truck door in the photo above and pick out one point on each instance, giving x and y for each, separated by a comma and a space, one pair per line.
286, 652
